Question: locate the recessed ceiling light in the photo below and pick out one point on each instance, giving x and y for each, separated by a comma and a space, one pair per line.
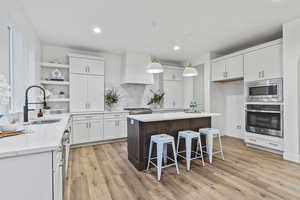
97, 30
176, 48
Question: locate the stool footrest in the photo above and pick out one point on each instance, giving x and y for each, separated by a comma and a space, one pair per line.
198, 155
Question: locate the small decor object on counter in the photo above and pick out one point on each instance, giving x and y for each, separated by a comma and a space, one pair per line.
157, 98
111, 98
56, 75
61, 94
4, 90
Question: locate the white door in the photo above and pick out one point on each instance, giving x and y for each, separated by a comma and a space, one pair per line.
95, 67
123, 128
78, 93
80, 132
235, 67
172, 74
218, 70
272, 62
173, 94
264, 63
95, 130
111, 129
95, 88
78, 65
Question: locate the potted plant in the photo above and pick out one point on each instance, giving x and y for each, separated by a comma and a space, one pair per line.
111, 98
157, 98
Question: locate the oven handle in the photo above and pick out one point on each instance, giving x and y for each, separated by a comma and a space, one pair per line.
263, 111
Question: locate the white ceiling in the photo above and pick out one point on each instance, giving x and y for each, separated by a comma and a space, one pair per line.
198, 26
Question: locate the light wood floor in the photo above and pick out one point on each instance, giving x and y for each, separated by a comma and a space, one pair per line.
103, 172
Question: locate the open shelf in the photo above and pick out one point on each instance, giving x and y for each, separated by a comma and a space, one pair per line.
57, 100
55, 65
44, 82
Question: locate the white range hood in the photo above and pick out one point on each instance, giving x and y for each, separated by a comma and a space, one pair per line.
134, 69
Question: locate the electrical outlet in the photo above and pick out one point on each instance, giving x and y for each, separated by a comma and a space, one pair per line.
238, 127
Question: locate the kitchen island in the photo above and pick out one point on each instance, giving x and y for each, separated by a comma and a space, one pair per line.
142, 127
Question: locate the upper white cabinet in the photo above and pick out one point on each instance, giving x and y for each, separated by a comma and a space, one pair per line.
134, 69
218, 70
86, 83
265, 63
172, 74
228, 69
86, 65
173, 87
86, 93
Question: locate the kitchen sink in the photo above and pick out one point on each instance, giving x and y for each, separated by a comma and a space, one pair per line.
45, 121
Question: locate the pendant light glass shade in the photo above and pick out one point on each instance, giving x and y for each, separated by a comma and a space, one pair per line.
154, 67
189, 71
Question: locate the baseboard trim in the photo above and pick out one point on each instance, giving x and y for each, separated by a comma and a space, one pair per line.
98, 142
291, 157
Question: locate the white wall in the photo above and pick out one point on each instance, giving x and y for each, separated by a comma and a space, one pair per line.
131, 95
228, 99
27, 54
291, 89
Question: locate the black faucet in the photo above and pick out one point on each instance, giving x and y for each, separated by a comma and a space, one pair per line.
27, 103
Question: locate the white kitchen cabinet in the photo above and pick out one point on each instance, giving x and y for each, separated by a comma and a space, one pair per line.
81, 65
78, 92
95, 130
87, 128
86, 93
173, 94
218, 70
172, 73
228, 69
235, 67
265, 63
115, 126
80, 132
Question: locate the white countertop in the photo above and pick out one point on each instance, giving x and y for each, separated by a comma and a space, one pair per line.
37, 138
170, 116
99, 112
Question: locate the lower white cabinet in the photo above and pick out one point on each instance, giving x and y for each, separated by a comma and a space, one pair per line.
99, 127
269, 142
115, 126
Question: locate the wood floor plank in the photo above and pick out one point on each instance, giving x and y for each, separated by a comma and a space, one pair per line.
103, 172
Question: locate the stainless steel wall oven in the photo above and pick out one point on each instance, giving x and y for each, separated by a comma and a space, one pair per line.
265, 119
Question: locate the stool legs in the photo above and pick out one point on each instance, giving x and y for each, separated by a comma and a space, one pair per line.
188, 152
221, 148
201, 150
209, 146
149, 154
159, 160
165, 153
175, 157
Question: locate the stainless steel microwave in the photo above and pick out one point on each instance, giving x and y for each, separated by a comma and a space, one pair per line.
265, 90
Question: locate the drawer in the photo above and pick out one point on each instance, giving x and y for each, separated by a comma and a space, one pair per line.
115, 115
277, 145
87, 117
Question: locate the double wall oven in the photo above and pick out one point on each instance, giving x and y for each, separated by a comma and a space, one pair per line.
264, 109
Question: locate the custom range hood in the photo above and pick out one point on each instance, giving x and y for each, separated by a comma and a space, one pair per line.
134, 70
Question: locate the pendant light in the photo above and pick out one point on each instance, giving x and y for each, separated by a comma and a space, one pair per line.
154, 67
189, 71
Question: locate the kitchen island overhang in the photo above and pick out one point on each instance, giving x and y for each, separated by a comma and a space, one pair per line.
142, 127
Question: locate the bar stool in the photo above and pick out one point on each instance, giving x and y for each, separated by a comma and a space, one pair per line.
162, 140
210, 133
189, 136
